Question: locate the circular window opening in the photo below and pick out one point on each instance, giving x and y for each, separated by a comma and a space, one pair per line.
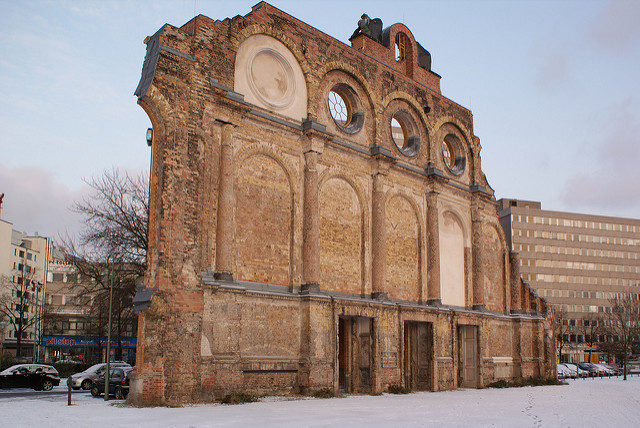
343, 107
340, 108
403, 133
453, 154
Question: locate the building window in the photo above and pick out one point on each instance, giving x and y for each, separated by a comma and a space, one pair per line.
402, 41
344, 108
404, 132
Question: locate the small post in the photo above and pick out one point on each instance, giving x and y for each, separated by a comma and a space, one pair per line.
69, 383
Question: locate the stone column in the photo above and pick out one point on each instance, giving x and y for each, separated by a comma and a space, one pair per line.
226, 202
514, 282
310, 224
478, 262
379, 239
433, 250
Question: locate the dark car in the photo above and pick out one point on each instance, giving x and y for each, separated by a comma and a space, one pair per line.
118, 383
37, 376
593, 371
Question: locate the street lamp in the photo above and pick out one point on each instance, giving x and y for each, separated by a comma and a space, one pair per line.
107, 374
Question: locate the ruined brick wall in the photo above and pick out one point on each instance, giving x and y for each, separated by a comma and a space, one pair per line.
274, 224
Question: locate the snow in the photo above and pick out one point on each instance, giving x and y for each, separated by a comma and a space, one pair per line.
584, 402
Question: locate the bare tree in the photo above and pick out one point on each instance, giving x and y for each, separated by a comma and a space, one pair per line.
116, 218
621, 328
560, 325
591, 329
111, 250
18, 304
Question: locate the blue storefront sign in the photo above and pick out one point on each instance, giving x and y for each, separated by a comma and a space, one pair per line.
81, 342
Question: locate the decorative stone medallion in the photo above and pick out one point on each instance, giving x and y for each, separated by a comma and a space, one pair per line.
271, 78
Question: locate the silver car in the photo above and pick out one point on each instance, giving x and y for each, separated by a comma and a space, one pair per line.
85, 379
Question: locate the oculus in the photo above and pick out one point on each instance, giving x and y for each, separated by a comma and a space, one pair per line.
453, 154
404, 133
344, 108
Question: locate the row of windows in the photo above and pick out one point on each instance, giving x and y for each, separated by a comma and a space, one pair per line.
586, 308
20, 254
590, 252
576, 237
552, 221
551, 292
576, 279
563, 264
578, 338
75, 327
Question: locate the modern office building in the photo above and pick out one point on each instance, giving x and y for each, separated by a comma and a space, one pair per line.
24, 262
575, 260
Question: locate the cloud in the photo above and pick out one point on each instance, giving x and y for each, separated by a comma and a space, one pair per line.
617, 26
35, 201
613, 185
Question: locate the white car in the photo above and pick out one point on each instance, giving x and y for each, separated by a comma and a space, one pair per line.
85, 379
577, 370
564, 372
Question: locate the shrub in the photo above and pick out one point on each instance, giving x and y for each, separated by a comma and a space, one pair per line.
530, 381
323, 393
238, 398
398, 389
7, 361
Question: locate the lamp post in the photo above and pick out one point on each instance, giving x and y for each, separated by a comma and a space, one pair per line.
107, 374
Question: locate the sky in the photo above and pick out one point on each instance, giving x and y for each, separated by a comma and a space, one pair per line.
553, 87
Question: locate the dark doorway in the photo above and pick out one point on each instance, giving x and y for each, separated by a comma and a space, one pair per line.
468, 357
418, 345
355, 343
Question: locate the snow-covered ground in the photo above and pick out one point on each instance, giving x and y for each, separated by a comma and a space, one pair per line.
597, 402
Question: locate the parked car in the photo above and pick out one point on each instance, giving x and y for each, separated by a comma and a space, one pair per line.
579, 372
118, 383
564, 372
593, 371
604, 370
85, 379
40, 377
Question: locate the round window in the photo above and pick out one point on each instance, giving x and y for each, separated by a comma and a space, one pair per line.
344, 108
453, 154
340, 108
404, 133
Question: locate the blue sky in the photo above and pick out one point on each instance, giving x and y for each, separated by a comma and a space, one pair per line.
553, 87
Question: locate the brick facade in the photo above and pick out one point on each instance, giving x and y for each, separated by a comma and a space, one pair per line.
291, 251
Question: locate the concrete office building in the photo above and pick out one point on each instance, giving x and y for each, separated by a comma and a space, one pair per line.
579, 261
23, 269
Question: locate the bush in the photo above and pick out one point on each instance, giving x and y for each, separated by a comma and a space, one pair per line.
7, 360
238, 398
398, 389
67, 369
530, 381
323, 393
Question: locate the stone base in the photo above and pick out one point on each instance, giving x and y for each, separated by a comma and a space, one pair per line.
434, 302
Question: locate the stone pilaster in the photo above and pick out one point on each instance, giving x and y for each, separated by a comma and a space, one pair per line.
378, 238
310, 224
478, 260
433, 250
514, 282
226, 202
